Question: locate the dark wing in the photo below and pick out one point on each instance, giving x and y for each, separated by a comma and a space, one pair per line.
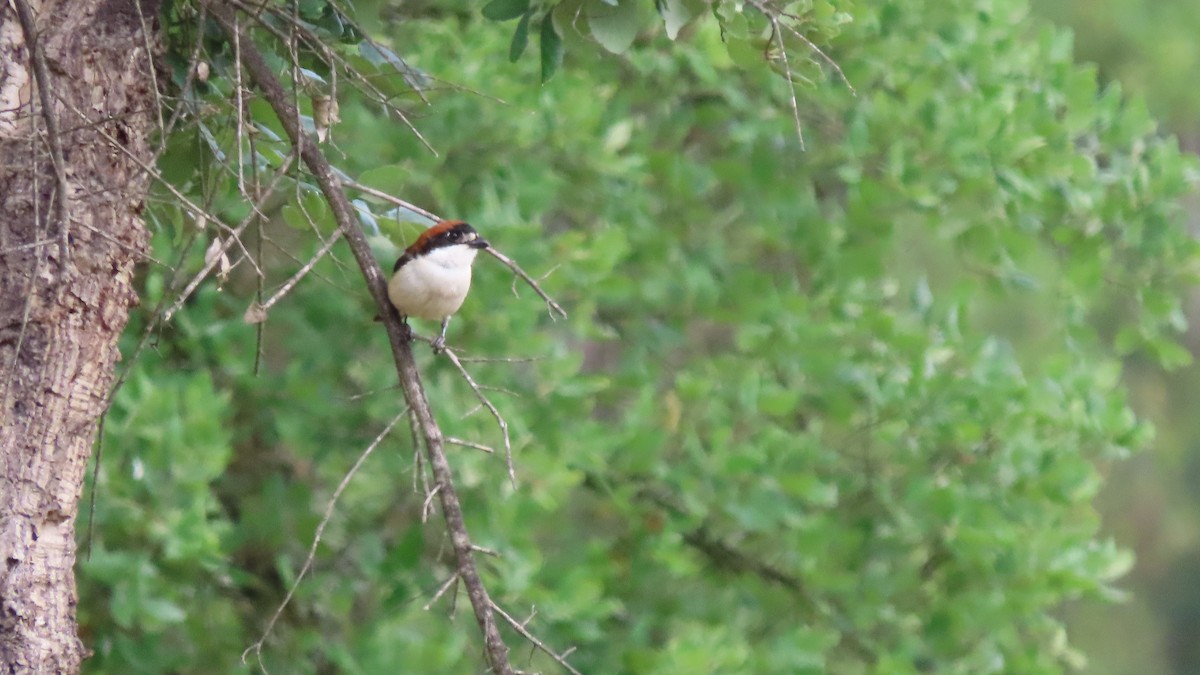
401, 261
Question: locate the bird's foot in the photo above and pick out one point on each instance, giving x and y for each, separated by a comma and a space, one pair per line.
438, 344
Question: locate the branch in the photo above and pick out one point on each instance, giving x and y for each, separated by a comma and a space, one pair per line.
234, 235
61, 212
380, 194
257, 311
554, 306
512, 472
774, 14
520, 628
316, 541
410, 379
728, 557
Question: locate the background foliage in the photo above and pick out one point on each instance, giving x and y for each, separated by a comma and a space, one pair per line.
835, 410
1150, 502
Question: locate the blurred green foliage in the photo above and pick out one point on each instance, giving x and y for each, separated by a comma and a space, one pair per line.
1148, 46
1149, 504
798, 421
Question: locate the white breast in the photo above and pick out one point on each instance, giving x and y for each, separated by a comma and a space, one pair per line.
433, 286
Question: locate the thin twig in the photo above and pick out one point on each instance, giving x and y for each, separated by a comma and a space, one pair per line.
470, 444
550, 303
316, 541
425, 508
533, 640
441, 591
769, 12
62, 208
787, 67
419, 475
22, 247
188, 80
147, 36
257, 313
500, 359
500, 422
380, 194
486, 551
234, 233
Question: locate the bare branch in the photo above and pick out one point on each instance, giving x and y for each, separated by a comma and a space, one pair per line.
316, 541
410, 379
520, 628
469, 444
483, 399
774, 14
426, 507
257, 313
45, 88
380, 194
235, 234
441, 591
554, 306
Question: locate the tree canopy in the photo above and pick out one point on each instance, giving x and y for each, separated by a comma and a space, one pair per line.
831, 405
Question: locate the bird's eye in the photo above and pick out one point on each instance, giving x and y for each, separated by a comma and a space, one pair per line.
454, 235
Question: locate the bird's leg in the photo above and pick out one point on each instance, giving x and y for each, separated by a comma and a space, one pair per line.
405, 329
439, 343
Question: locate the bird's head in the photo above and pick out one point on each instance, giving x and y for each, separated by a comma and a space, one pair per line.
450, 243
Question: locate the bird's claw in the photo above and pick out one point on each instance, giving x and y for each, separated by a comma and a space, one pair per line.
439, 345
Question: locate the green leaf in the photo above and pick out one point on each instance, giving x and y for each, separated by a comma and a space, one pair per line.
552, 49
614, 27
505, 10
520, 39
390, 178
744, 54
1170, 354
676, 14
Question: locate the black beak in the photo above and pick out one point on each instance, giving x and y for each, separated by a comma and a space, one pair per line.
478, 242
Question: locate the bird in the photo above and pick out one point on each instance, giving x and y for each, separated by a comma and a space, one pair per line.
431, 279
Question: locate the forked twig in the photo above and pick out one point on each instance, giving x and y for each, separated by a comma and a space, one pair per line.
235, 234
775, 13
427, 507
441, 591
483, 399
533, 640
537, 288
257, 313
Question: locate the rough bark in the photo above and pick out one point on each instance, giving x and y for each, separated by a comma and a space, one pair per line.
63, 302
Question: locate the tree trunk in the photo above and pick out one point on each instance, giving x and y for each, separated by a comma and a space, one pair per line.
66, 286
